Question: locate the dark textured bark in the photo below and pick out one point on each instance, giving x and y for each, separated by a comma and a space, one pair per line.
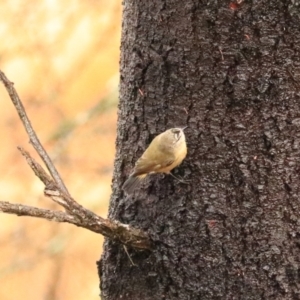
233, 232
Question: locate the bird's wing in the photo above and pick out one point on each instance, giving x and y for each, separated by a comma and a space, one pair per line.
153, 160
143, 166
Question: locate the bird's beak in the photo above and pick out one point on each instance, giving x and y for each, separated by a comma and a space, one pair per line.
184, 128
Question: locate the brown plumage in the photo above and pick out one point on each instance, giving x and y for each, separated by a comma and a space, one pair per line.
165, 152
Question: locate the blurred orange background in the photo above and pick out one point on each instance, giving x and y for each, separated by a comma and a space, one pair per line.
63, 58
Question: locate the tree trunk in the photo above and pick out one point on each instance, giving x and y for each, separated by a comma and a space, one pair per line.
231, 72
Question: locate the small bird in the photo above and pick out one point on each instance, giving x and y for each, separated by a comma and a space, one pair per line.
165, 152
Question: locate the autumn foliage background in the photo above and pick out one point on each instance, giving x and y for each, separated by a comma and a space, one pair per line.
63, 58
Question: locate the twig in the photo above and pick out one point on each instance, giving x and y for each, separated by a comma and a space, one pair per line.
114, 230
34, 140
132, 263
30, 211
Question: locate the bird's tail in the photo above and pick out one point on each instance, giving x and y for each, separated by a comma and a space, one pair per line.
132, 183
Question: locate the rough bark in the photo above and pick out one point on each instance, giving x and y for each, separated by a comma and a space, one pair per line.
231, 72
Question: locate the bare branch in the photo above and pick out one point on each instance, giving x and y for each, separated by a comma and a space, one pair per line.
122, 233
76, 214
83, 217
56, 190
34, 140
30, 211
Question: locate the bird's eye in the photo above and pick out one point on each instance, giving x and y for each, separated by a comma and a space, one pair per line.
176, 134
